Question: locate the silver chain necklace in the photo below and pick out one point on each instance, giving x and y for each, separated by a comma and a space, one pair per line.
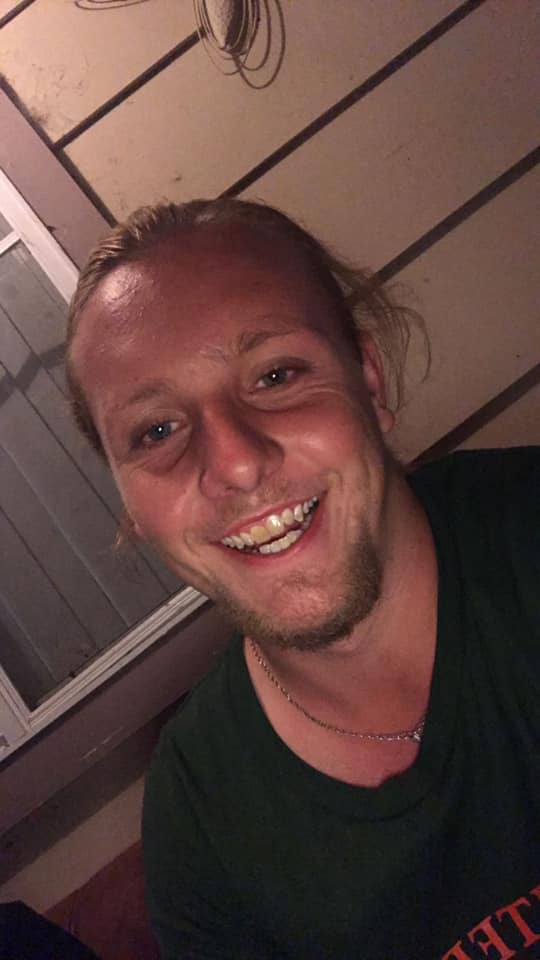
415, 734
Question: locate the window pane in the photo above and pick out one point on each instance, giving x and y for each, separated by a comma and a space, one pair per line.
65, 592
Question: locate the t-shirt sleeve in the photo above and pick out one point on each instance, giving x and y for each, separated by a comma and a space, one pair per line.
193, 909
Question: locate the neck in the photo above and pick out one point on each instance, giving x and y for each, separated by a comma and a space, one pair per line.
378, 677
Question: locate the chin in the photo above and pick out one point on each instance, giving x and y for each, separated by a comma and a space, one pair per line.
313, 621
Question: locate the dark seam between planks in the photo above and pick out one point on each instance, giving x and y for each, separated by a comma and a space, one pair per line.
458, 216
372, 82
11, 14
481, 417
62, 158
127, 91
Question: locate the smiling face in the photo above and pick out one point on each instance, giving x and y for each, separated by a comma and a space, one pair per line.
243, 430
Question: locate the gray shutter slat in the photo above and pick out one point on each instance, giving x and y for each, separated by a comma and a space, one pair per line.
22, 663
69, 575
45, 617
33, 304
84, 521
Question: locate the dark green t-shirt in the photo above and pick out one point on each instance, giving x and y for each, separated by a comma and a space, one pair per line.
251, 853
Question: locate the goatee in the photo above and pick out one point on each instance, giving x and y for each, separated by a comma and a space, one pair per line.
358, 591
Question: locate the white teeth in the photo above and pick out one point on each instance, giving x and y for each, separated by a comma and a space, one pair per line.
272, 526
278, 545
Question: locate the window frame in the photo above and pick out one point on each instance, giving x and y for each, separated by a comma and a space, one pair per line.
59, 224
26, 226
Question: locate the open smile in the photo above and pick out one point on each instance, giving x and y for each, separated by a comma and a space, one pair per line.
276, 533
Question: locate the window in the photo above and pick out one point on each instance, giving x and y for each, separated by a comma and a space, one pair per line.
73, 610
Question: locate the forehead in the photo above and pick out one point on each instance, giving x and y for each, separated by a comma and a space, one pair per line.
201, 290
180, 319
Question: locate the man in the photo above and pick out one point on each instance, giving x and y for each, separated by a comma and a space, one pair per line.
359, 778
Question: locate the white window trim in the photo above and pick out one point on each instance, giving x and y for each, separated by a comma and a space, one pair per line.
43, 247
8, 242
19, 723
29, 722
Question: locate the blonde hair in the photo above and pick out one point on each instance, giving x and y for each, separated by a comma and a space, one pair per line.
361, 302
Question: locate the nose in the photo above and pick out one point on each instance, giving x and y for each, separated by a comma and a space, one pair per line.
238, 452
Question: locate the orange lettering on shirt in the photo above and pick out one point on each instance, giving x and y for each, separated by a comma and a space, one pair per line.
512, 909
456, 953
493, 939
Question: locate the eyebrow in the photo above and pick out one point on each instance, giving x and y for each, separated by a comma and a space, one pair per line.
249, 340
148, 392
245, 342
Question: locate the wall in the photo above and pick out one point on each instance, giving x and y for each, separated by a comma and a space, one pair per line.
62, 794
80, 830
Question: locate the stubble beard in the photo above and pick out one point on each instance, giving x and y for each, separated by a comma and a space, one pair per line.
359, 590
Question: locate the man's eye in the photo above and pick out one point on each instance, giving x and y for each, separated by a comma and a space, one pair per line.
157, 432
276, 377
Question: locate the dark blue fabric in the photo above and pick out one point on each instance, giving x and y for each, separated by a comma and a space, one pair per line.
25, 935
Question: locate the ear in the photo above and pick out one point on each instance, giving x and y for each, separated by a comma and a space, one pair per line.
373, 370
128, 530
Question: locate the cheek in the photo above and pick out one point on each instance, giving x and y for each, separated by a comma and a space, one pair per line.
157, 508
335, 427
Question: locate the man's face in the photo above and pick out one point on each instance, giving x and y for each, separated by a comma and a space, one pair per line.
233, 412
